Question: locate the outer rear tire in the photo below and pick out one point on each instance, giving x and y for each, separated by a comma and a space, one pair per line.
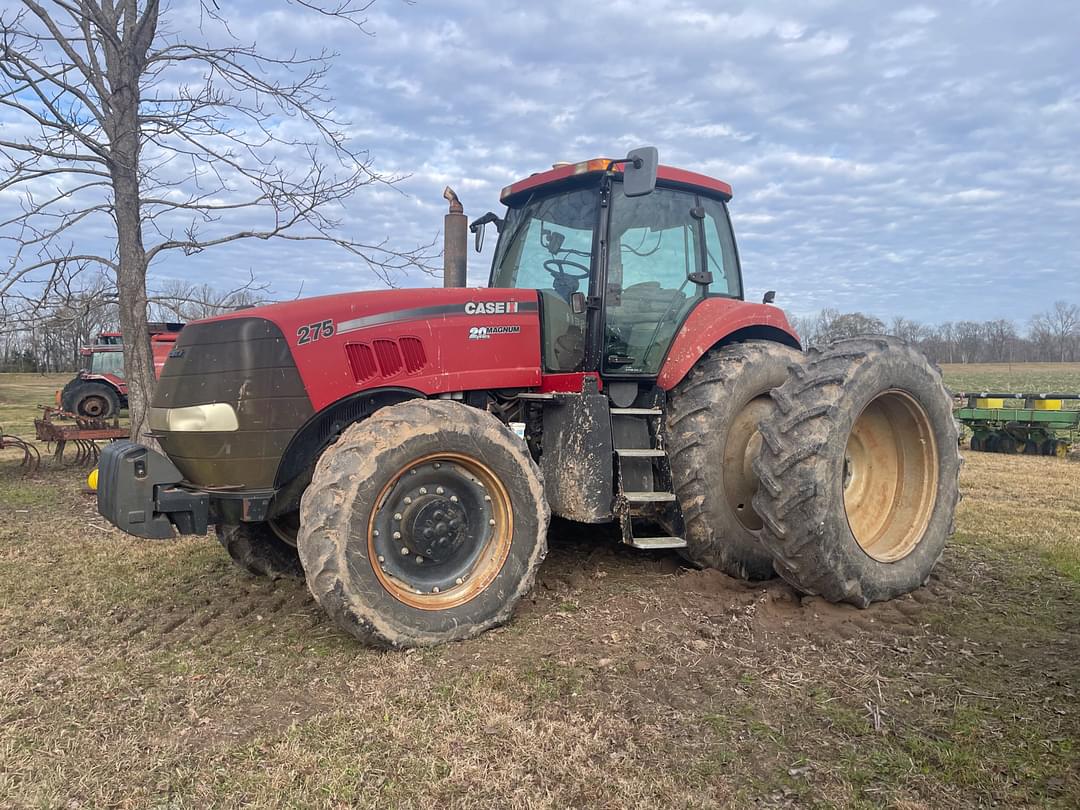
259, 551
364, 519
859, 472
92, 400
712, 440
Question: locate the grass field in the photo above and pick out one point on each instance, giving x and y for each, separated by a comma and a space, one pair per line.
157, 674
1016, 378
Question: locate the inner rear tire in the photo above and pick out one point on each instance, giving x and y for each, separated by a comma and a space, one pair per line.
423, 524
712, 441
858, 468
257, 549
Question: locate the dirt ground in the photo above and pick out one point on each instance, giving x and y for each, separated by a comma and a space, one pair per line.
157, 674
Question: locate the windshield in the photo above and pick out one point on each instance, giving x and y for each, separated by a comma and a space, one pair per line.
107, 363
547, 243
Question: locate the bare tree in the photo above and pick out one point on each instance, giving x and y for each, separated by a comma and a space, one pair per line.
163, 139
1062, 326
1000, 334
183, 301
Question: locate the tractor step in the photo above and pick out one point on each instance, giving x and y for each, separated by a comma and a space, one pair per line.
639, 452
658, 542
636, 412
649, 497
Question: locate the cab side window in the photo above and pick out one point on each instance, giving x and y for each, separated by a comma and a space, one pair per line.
548, 247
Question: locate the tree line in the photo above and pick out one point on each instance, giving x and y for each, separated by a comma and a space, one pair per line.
50, 340
1052, 336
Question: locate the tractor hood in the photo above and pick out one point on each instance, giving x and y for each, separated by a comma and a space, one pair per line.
430, 340
237, 388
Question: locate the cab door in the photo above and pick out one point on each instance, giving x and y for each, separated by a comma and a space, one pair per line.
667, 250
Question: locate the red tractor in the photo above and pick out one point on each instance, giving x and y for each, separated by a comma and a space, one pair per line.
403, 449
99, 390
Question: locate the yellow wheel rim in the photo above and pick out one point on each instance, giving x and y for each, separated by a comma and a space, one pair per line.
741, 448
890, 476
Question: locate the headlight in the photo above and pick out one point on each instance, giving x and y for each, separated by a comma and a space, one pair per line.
213, 417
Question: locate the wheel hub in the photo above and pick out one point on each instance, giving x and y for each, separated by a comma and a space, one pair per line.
434, 527
440, 531
93, 406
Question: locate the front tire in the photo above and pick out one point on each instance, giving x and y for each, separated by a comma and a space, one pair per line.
858, 468
423, 524
712, 441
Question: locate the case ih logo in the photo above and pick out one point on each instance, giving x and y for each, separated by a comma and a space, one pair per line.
491, 307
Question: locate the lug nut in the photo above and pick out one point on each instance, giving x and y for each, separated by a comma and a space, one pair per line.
423, 490
382, 559
487, 497
419, 559
435, 589
453, 499
404, 550
458, 581
397, 535
413, 472
397, 515
408, 500
491, 522
436, 465
376, 532
439, 490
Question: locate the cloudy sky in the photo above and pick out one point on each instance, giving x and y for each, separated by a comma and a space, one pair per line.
918, 159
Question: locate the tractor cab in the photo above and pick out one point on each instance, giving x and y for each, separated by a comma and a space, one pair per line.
618, 268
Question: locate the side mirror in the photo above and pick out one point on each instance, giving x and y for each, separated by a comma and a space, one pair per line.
769, 297
577, 303
478, 226
639, 171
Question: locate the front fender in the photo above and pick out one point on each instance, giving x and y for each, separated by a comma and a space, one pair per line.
718, 320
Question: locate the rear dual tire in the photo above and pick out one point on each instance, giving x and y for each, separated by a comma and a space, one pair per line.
859, 472
712, 440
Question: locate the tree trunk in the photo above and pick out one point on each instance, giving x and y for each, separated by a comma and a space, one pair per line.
131, 274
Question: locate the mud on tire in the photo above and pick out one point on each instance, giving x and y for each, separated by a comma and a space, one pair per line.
858, 471
712, 440
259, 551
423, 524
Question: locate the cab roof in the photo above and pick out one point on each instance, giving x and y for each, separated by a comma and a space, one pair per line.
668, 175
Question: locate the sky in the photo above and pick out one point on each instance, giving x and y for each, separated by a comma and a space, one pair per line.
899, 159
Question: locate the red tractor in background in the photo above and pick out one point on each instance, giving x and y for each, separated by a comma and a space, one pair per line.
99, 389
403, 449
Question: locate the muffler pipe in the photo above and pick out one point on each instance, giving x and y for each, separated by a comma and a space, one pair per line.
455, 242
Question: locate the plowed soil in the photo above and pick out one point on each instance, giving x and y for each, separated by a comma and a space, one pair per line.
158, 674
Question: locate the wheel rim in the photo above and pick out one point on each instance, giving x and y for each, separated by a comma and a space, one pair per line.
93, 406
440, 531
890, 476
741, 448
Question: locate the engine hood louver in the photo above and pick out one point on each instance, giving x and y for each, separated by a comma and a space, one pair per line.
386, 358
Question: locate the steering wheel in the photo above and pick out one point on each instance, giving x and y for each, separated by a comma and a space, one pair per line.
555, 267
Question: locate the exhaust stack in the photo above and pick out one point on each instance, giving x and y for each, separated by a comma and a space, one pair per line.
455, 242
